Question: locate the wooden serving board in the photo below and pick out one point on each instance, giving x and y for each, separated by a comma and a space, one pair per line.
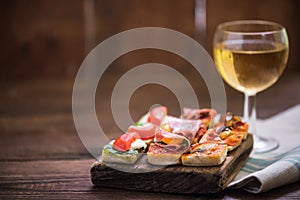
175, 178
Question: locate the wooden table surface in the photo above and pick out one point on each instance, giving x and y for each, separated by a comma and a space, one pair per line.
42, 157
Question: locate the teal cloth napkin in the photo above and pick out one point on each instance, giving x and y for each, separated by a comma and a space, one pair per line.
265, 171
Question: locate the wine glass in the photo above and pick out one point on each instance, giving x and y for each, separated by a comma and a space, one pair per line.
250, 56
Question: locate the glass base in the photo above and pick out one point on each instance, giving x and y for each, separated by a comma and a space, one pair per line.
262, 145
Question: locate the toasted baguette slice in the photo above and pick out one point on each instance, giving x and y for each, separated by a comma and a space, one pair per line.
245, 135
205, 154
233, 139
160, 154
164, 159
110, 155
236, 124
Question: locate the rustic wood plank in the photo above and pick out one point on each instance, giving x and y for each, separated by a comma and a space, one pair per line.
70, 179
36, 124
40, 137
41, 156
175, 178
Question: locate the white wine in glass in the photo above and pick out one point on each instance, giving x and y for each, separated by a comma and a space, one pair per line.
250, 56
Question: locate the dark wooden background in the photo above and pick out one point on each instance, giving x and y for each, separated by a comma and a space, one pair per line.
43, 43
44, 38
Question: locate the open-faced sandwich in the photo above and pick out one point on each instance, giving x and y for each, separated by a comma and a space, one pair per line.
231, 132
167, 148
205, 154
192, 139
172, 139
128, 147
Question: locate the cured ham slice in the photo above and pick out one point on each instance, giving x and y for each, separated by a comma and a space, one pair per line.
185, 127
145, 131
157, 114
201, 132
166, 137
172, 140
206, 115
167, 148
223, 135
193, 139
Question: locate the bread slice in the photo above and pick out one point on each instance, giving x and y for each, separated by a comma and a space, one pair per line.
110, 155
232, 138
162, 154
236, 124
205, 154
164, 159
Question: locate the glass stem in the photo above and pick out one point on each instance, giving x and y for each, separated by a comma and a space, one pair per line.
250, 112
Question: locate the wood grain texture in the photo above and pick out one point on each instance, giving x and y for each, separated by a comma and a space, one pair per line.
41, 39
70, 179
41, 156
45, 38
175, 178
42, 47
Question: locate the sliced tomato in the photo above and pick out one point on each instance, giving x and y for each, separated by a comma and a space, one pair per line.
123, 143
157, 114
146, 131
